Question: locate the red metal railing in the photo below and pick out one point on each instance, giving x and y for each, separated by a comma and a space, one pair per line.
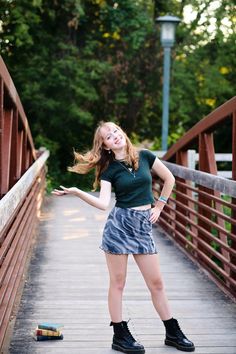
17, 151
22, 184
201, 213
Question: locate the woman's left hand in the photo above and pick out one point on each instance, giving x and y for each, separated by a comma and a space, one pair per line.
155, 213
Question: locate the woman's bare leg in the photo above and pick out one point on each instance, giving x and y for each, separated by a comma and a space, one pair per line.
150, 269
117, 266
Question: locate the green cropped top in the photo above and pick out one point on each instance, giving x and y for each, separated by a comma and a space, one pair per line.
132, 188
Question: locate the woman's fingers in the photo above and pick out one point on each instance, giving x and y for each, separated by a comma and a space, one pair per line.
154, 216
153, 220
64, 191
58, 192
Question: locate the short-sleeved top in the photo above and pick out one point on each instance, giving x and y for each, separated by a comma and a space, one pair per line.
132, 188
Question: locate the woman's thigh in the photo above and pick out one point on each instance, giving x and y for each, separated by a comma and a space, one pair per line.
117, 266
150, 269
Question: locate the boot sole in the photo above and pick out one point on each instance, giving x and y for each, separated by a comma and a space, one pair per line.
127, 351
179, 347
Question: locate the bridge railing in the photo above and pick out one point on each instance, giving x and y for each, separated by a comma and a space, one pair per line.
17, 151
201, 213
22, 184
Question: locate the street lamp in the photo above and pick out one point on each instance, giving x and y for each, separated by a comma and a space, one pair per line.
168, 24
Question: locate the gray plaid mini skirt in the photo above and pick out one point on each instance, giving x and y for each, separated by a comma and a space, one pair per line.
128, 231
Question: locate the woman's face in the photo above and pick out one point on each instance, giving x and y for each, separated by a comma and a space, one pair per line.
113, 137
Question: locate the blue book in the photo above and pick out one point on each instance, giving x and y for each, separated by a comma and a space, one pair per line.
50, 326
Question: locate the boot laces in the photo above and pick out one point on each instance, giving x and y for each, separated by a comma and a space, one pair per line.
128, 331
179, 332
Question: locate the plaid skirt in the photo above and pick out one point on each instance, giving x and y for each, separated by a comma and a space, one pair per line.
128, 231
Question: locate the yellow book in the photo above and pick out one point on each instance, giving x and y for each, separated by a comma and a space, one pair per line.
47, 332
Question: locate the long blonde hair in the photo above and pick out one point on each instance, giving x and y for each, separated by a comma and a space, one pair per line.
99, 157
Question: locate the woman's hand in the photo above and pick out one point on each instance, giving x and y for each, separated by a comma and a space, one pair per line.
155, 213
64, 191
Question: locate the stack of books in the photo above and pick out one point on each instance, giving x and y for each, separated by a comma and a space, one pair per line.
48, 331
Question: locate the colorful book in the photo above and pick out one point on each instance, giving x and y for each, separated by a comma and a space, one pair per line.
47, 332
41, 338
50, 326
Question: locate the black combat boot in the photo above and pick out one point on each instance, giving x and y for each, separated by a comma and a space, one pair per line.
123, 340
176, 338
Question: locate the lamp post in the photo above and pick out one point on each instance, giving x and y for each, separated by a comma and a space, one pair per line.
168, 25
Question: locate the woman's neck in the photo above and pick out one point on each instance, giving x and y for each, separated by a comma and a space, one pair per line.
120, 155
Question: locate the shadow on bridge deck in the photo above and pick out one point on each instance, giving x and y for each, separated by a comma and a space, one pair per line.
67, 283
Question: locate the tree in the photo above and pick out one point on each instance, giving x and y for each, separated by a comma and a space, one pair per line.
204, 64
76, 62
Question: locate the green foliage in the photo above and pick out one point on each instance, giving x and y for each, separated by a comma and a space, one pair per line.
76, 62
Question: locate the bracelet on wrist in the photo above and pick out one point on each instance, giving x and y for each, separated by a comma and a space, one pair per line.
162, 199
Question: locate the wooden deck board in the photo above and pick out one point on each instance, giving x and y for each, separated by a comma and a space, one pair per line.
67, 282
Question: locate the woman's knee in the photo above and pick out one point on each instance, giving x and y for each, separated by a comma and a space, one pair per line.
118, 282
156, 285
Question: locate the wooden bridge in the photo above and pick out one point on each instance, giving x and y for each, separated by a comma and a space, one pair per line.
66, 279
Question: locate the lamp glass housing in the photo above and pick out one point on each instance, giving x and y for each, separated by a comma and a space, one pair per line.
168, 24
168, 32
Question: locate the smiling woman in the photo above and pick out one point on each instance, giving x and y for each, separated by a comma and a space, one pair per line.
128, 229
112, 136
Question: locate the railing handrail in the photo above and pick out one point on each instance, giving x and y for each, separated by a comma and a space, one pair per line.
204, 179
11, 200
205, 125
7, 80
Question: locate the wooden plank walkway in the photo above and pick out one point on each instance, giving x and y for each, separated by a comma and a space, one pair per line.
67, 283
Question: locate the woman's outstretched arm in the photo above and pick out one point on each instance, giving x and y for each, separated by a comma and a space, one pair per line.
102, 202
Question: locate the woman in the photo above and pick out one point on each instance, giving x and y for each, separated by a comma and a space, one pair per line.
128, 229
